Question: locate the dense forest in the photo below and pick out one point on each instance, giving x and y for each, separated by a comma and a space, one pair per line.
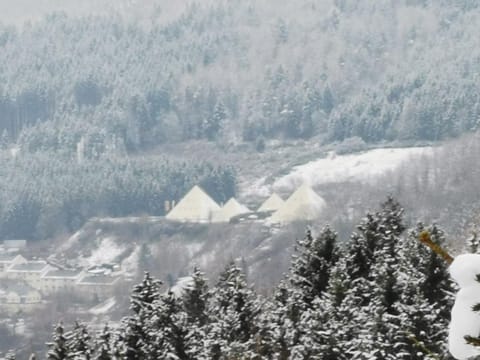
226, 70
82, 97
378, 295
43, 195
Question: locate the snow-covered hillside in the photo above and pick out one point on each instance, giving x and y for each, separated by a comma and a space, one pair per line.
169, 249
333, 168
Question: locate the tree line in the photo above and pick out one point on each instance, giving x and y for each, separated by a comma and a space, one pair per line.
45, 194
378, 295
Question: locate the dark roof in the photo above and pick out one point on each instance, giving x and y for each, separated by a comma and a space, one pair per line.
98, 280
62, 273
30, 266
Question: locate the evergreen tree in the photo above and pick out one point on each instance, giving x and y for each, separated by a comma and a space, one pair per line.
233, 312
103, 345
267, 345
422, 330
432, 269
287, 308
195, 299
195, 340
311, 266
58, 347
167, 330
373, 232
78, 344
213, 124
136, 335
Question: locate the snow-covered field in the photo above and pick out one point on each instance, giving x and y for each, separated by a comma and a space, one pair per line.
334, 168
106, 252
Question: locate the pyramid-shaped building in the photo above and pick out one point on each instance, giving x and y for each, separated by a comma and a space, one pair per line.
231, 209
273, 203
303, 205
196, 206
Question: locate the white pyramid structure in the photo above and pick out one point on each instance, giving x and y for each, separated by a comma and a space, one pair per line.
303, 204
229, 210
273, 203
196, 206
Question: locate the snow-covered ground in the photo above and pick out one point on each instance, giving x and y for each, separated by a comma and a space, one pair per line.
130, 264
106, 252
334, 168
104, 307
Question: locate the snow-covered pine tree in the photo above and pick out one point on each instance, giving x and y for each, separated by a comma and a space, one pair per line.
425, 297
372, 233
377, 318
118, 347
286, 310
104, 345
167, 330
318, 332
135, 335
267, 345
195, 299
79, 343
422, 330
58, 347
436, 284
338, 313
391, 216
306, 281
345, 320
312, 262
195, 338
233, 312
195, 304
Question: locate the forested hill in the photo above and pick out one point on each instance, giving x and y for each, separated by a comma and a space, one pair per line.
90, 95
242, 70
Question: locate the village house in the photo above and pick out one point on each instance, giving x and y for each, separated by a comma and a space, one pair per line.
56, 280
16, 296
31, 272
98, 287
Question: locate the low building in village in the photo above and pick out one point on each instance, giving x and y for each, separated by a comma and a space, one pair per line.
25, 282
57, 280
99, 287
17, 296
30, 272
